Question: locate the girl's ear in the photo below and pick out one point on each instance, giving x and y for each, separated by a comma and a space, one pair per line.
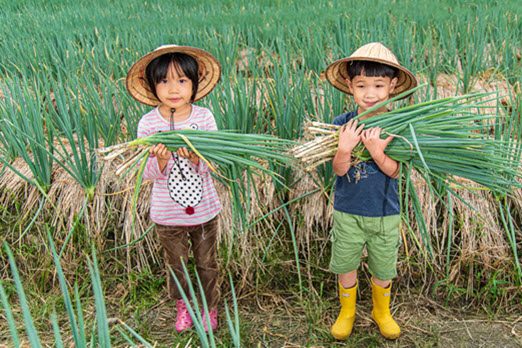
393, 83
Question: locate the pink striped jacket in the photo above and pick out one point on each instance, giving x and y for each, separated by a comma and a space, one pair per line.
183, 194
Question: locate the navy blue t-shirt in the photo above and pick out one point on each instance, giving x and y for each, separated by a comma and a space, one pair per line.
365, 190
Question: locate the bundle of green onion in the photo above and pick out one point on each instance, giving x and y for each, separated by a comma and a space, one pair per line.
441, 138
216, 148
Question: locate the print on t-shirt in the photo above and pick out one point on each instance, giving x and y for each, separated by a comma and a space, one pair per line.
185, 185
360, 171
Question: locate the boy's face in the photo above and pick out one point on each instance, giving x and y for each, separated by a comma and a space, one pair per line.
371, 90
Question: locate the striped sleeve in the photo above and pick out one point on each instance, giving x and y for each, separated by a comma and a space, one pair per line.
152, 170
208, 124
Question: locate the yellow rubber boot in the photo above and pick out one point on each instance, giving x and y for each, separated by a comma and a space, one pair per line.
342, 328
381, 312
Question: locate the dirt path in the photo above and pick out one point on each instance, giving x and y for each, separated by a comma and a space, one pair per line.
272, 321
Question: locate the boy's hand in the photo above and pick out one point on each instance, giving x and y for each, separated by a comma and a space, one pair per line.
371, 139
192, 157
349, 136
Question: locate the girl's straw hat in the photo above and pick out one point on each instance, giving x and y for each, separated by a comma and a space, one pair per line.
209, 73
337, 72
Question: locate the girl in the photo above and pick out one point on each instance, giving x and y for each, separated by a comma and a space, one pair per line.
184, 202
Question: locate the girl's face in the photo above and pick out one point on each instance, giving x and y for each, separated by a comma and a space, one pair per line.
175, 91
369, 91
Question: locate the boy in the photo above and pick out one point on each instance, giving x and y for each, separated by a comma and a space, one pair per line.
366, 204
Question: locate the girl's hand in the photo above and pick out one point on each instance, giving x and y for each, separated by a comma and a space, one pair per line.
192, 157
371, 139
349, 136
160, 151
162, 155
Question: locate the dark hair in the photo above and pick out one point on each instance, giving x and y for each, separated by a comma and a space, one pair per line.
183, 63
371, 69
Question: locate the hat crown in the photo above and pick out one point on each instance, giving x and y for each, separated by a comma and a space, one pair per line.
375, 50
166, 46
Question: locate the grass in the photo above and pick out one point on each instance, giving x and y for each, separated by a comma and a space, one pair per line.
270, 310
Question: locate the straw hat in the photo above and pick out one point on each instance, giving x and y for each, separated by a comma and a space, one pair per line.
209, 73
337, 72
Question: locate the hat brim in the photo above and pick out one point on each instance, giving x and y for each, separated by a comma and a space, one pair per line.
337, 75
208, 66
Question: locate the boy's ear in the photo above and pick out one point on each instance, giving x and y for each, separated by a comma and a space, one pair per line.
349, 84
393, 83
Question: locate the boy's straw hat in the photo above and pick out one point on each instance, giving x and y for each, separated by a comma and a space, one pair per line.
337, 72
209, 73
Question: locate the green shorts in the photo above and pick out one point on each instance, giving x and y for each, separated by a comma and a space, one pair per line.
350, 233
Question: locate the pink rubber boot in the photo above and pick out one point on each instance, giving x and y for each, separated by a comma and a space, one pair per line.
183, 319
213, 314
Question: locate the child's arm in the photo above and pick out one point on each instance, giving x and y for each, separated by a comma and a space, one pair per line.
209, 124
162, 155
371, 139
349, 137
191, 156
158, 162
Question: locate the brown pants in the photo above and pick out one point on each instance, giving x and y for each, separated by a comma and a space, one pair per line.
175, 243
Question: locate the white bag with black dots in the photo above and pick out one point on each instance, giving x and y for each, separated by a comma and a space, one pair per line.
185, 185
